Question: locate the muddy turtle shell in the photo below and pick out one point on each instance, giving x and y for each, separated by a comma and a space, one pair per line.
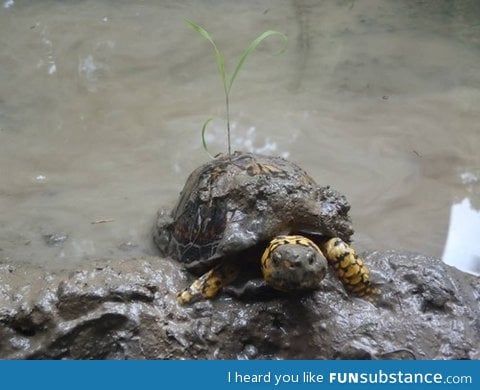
233, 203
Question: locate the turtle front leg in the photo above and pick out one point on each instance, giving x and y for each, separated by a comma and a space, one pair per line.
209, 284
349, 267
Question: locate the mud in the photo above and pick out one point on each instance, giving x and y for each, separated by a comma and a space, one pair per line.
126, 309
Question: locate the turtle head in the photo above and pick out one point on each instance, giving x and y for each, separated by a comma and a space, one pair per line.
292, 263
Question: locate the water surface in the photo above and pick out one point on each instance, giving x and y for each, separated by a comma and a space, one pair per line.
101, 105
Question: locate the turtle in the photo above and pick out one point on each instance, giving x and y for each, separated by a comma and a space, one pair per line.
237, 206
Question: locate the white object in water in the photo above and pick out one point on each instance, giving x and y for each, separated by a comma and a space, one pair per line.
462, 249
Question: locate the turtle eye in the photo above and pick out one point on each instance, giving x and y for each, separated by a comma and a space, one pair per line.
276, 258
311, 258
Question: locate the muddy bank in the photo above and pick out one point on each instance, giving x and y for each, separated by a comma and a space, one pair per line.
126, 309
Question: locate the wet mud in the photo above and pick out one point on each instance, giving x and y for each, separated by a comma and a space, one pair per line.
126, 309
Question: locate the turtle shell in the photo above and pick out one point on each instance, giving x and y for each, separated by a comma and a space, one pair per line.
233, 203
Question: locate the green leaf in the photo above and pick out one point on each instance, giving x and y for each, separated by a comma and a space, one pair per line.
204, 141
253, 45
227, 83
218, 55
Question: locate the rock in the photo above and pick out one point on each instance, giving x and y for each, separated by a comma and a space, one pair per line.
127, 310
55, 239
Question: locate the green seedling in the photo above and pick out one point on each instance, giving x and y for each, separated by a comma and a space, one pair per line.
228, 81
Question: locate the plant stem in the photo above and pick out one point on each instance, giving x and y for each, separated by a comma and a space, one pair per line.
227, 103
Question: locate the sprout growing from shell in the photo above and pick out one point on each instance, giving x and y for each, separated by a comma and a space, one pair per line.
228, 81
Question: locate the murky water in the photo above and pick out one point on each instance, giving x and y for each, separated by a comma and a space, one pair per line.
101, 105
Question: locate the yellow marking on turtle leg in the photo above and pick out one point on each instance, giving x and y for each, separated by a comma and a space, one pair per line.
349, 267
209, 284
